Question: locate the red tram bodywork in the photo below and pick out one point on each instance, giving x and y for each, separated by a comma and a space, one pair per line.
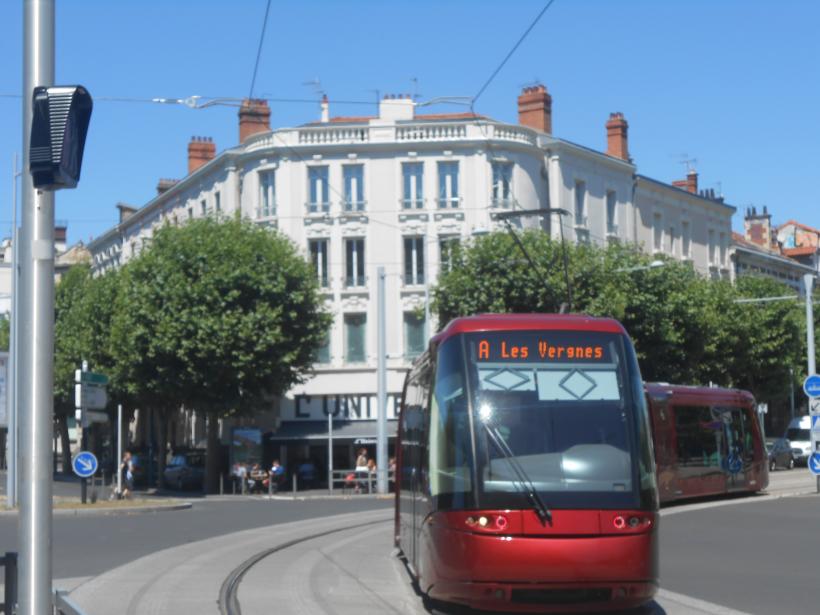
707, 441
595, 553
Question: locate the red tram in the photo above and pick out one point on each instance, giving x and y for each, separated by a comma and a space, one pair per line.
526, 480
708, 441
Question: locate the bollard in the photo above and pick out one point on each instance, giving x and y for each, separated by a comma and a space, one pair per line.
221, 483
270, 485
10, 589
244, 486
294, 484
233, 485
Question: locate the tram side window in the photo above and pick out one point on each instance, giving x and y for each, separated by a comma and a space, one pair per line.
411, 434
450, 455
698, 435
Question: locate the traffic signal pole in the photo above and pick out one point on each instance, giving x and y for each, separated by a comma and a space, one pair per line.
36, 352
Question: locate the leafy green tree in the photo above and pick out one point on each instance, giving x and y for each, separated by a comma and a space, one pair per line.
82, 331
217, 316
4, 332
772, 338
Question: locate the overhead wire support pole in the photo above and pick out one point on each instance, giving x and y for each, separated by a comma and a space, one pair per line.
11, 406
544, 211
36, 350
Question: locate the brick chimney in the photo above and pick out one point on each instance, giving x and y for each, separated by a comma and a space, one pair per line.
164, 185
758, 227
201, 150
535, 108
126, 211
254, 117
690, 184
616, 136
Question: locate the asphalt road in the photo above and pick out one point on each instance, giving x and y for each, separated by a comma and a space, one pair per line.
90, 545
755, 556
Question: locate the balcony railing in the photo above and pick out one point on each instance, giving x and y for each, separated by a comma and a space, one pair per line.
318, 208
329, 135
354, 205
412, 203
431, 132
448, 203
405, 132
502, 203
266, 212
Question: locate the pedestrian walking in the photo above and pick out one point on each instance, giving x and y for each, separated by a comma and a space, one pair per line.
277, 475
127, 470
361, 469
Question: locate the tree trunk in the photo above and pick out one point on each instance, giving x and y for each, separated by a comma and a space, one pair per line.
161, 419
212, 456
65, 443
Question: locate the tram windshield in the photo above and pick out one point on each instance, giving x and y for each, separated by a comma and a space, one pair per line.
562, 408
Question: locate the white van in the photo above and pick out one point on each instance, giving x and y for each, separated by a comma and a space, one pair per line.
799, 433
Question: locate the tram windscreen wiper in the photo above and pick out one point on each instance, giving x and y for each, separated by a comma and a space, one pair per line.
523, 479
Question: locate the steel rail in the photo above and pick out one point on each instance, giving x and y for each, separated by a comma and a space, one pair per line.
228, 601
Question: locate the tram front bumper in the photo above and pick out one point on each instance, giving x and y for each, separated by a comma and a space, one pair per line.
542, 574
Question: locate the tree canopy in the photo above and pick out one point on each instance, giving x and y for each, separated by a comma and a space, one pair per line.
686, 328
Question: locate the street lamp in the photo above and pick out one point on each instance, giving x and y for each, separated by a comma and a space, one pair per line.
653, 265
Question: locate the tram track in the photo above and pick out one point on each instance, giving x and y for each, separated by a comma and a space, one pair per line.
228, 593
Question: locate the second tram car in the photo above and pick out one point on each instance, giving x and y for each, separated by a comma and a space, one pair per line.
708, 441
526, 478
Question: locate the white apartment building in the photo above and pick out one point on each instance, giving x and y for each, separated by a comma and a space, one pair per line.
394, 191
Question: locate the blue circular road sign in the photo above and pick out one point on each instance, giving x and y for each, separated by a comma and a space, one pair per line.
811, 385
84, 464
814, 463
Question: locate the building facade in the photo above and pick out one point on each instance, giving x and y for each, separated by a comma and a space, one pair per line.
396, 191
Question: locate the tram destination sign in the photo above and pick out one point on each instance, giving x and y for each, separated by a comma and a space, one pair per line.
811, 386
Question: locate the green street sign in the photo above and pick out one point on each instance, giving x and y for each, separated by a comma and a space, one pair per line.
92, 378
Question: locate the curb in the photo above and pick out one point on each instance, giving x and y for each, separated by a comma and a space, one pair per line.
86, 512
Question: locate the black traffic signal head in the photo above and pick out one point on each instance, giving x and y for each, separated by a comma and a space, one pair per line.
58, 128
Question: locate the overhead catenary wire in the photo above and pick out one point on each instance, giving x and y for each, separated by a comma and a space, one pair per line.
259, 49
511, 52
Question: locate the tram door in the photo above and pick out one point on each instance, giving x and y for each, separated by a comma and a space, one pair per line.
739, 447
411, 441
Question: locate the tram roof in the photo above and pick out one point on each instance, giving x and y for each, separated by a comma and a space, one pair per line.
519, 322
682, 392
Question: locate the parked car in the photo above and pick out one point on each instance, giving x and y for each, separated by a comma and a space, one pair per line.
186, 470
799, 433
139, 463
781, 454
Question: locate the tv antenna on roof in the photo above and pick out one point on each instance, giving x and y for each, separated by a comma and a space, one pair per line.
415, 82
689, 162
317, 86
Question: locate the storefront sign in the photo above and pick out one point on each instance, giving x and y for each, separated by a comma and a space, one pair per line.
342, 407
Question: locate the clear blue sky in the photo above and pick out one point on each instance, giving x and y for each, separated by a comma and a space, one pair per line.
732, 83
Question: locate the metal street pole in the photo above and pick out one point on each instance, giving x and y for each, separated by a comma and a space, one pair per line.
791, 393
36, 352
11, 432
119, 448
381, 439
329, 453
808, 280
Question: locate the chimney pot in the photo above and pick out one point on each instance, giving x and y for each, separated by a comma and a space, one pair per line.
200, 152
617, 139
535, 108
254, 117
